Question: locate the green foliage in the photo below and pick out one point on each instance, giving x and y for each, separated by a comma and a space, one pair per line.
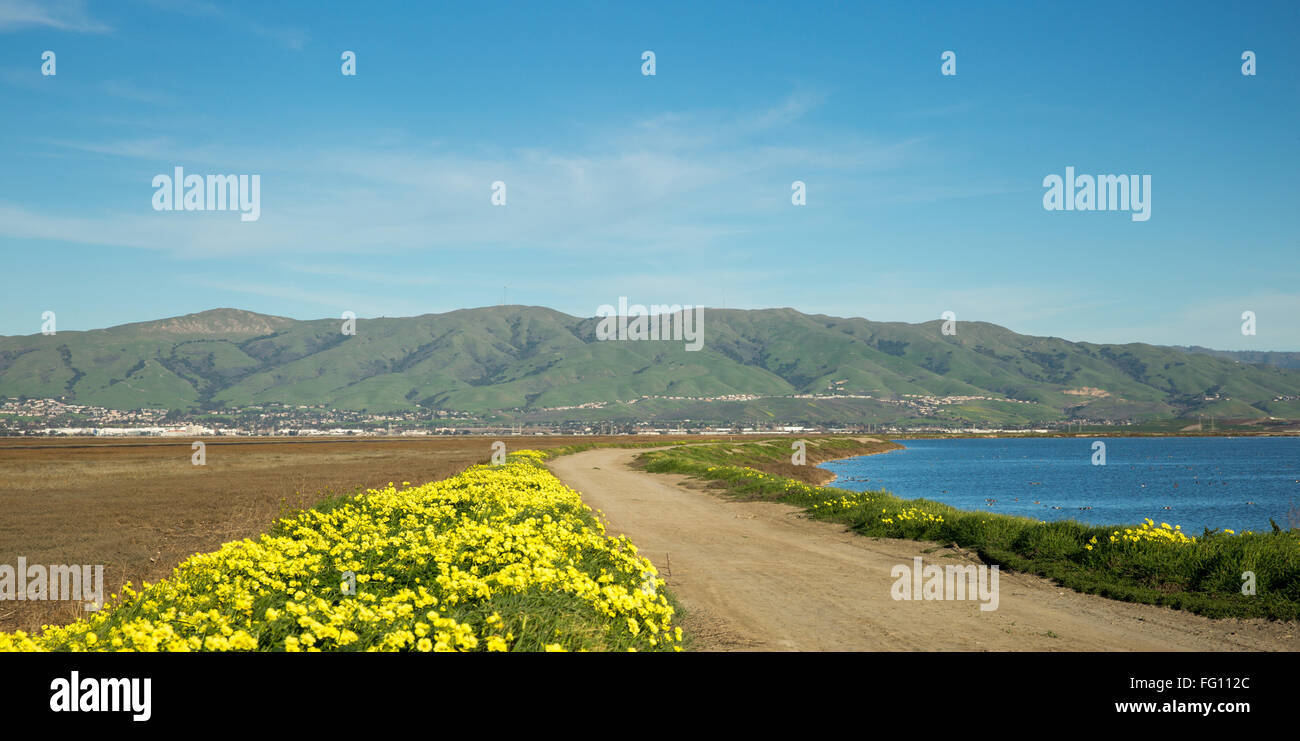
521, 361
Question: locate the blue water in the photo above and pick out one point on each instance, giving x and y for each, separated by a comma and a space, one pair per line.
1195, 482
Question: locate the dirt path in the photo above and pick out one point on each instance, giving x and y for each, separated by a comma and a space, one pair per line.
761, 576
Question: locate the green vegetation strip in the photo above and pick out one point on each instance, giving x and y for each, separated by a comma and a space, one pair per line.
1149, 563
581, 447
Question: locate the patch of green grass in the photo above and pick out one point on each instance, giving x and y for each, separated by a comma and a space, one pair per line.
581, 447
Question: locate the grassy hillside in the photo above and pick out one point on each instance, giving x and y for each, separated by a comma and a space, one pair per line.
525, 361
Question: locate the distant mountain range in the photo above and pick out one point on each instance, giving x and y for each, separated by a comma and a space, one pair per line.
1254, 357
524, 362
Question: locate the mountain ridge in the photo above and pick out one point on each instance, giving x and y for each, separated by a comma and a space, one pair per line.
487, 359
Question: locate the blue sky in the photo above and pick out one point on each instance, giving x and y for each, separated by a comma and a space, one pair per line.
924, 191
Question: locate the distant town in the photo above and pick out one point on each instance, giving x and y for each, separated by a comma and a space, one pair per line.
21, 417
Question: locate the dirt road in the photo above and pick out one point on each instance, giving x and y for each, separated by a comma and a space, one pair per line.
761, 576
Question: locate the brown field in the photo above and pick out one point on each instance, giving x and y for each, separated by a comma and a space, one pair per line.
139, 506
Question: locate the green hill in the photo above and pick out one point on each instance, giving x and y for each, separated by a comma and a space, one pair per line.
523, 362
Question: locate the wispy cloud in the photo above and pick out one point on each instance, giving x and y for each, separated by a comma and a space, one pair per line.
291, 38
793, 108
1218, 321
352, 273
653, 192
941, 111
334, 302
29, 78
715, 128
128, 90
62, 15
186, 7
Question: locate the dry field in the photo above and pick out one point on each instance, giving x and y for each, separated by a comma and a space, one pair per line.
139, 507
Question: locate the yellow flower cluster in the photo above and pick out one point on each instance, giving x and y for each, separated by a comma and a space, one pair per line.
1147, 532
911, 514
842, 503
498, 558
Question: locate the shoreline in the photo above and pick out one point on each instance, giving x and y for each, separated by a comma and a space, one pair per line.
1283, 515
835, 477
1002, 436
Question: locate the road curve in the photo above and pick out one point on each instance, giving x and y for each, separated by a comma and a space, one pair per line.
762, 576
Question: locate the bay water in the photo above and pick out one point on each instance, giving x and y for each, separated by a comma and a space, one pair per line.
1196, 482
